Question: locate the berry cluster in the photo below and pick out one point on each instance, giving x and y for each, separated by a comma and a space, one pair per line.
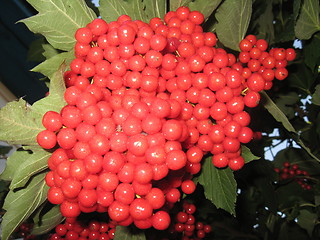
73, 229
24, 231
145, 103
186, 226
262, 67
293, 172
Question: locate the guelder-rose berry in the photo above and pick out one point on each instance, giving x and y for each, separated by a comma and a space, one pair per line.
145, 102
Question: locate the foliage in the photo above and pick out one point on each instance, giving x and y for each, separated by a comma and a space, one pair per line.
248, 204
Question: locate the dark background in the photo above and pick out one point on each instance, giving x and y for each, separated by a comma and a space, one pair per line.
15, 40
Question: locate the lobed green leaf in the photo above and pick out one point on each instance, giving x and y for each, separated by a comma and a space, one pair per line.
308, 20
35, 52
219, 186
233, 18
20, 204
55, 100
49, 51
50, 66
58, 20
19, 123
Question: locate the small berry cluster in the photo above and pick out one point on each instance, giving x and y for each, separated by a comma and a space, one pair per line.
24, 231
145, 103
186, 226
293, 172
261, 66
73, 229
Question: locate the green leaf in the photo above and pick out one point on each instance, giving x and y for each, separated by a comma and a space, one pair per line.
204, 6
20, 204
286, 103
307, 149
308, 21
155, 8
316, 96
20, 123
31, 164
281, 117
233, 18
316, 190
275, 111
51, 65
35, 51
301, 77
296, 9
219, 186
16, 159
127, 233
40, 50
46, 219
264, 20
55, 100
284, 27
283, 233
49, 51
58, 20
138, 10
247, 154
178, 3
307, 220
110, 10
311, 52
